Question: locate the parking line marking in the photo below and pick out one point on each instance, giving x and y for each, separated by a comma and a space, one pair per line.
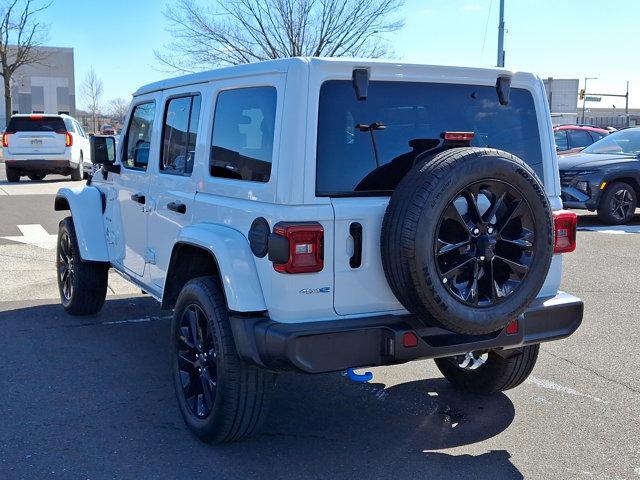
550, 385
136, 320
34, 234
613, 230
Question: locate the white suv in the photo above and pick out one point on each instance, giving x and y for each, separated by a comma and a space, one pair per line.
38, 144
318, 215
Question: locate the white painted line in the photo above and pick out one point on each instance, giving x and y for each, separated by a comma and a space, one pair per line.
613, 230
35, 234
549, 385
136, 320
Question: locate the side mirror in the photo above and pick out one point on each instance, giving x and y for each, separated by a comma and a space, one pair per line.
103, 150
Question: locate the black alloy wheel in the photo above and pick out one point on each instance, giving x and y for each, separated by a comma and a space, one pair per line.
484, 243
66, 268
621, 203
197, 361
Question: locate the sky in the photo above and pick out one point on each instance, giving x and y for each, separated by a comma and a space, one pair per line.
558, 38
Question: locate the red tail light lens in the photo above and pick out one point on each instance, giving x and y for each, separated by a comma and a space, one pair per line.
306, 247
565, 231
5, 139
68, 139
458, 136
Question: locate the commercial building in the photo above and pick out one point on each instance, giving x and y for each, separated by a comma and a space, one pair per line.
45, 87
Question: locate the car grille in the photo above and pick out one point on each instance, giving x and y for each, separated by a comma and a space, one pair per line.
566, 177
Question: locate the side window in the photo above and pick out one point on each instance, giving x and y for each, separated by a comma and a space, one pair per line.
78, 128
596, 136
138, 139
179, 135
561, 140
243, 128
579, 138
70, 126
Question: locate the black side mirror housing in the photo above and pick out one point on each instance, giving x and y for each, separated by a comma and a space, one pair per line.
103, 152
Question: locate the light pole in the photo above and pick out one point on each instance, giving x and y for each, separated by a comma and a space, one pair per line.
584, 100
500, 62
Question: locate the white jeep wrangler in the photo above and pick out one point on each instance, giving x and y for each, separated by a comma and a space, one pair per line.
317, 215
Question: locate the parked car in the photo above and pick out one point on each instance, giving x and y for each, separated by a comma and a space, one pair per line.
107, 130
571, 139
604, 177
36, 145
372, 227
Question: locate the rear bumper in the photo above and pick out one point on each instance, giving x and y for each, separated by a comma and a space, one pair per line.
39, 164
317, 347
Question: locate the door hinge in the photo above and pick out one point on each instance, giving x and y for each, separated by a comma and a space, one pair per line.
150, 256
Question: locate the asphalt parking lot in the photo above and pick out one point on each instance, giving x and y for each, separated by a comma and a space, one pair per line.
92, 397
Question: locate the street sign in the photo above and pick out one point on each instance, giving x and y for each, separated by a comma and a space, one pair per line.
592, 99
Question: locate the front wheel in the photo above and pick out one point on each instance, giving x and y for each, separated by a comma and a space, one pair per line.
488, 372
82, 285
221, 397
618, 204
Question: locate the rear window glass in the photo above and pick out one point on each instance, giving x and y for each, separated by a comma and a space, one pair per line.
410, 118
36, 124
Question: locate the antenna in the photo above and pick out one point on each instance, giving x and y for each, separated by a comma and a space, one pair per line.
501, 53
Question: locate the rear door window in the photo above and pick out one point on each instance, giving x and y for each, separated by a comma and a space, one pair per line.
138, 139
411, 117
243, 129
36, 123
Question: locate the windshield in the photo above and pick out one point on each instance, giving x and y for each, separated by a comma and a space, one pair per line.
624, 142
400, 120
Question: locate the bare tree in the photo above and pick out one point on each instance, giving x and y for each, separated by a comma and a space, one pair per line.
117, 109
20, 36
91, 91
244, 31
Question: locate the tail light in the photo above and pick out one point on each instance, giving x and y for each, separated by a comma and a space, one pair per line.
458, 136
565, 224
68, 139
5, 139
297, 247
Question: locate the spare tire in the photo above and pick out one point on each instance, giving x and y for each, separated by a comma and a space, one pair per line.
467, 239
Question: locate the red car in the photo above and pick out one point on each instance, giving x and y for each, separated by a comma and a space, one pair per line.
573, 138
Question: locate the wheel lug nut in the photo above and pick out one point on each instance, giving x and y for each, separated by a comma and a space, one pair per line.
482, 258
444, 280
476, 231
489, 230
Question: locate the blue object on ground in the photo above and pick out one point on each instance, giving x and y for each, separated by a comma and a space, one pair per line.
359, 377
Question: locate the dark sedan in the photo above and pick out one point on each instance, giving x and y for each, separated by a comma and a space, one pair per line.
604, 177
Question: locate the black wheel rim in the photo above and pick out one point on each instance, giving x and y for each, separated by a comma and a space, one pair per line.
621, 204
484, 243
197, 361
66, 268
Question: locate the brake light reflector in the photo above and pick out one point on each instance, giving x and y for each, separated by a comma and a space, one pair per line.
409, 340
68, 139
459, 135
305, 247
36, 117
5, 139
512, 327
565, 224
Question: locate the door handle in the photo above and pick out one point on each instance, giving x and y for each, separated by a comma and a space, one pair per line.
177, 207
139, 198
355, 230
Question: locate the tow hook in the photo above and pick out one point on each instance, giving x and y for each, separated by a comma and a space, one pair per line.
358, 377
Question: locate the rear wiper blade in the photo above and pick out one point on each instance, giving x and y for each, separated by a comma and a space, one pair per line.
363, 127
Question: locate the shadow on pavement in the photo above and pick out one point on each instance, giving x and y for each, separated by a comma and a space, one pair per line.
587, 219
97, 401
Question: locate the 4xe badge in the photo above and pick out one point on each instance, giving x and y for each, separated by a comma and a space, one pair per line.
309, 291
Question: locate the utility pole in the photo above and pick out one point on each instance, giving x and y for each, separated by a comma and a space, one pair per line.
626, 106
501, 53
584, 100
